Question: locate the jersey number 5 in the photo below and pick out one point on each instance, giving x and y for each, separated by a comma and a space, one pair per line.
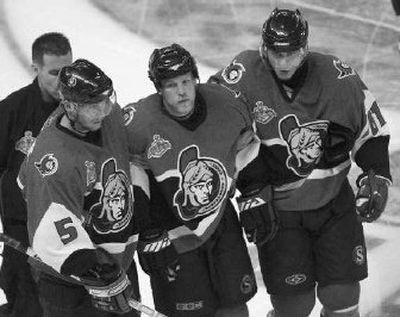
66, 230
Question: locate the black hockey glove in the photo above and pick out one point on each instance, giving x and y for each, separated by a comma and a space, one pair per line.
109, 285
372, 196
157, 255
257, 215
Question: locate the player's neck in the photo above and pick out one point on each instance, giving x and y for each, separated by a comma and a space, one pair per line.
68, 124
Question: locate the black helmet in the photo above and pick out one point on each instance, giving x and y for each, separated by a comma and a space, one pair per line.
169, 62
84, 82
285, 30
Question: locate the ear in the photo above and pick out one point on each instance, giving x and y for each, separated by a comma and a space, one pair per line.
69, 107
35, 67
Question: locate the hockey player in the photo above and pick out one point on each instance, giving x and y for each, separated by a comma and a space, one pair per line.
311, 111
189, 134
22, 115
80, 199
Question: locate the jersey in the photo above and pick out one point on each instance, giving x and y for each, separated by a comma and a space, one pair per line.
332, 103
193, 166
79, 194
22, 115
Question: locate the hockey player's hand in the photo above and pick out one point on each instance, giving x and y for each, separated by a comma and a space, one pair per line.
157, 255
257, 215
107, 283
372, 196
113, 297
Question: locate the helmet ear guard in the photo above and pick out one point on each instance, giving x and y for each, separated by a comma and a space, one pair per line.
284, 31
169, 62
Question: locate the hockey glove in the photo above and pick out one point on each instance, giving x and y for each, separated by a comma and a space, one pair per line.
372, 196
109, 285
157, 255
257, 215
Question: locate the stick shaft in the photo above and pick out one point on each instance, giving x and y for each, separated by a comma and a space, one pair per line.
42, 266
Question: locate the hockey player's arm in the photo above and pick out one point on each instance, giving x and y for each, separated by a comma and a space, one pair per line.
155, 251
371, 153
373, 184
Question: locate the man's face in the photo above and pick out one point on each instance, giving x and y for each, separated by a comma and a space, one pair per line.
179, 94
89, 117
47, 73
285, 64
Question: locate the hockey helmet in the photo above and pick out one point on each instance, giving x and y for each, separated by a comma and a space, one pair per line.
169, 62
84, 82
285, 30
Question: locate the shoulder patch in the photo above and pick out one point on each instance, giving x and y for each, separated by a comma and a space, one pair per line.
129, 113
233, 72
344, 69
26, 143
158, 147
262, 113
47, 165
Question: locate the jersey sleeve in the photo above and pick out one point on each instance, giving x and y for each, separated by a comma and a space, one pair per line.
371, 149
55, 222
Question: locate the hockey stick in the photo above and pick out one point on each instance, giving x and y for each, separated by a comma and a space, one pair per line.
35, 260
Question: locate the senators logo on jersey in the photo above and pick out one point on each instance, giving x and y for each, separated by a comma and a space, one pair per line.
129, 113
47, 165
304, 143
233, 72
114, 210
203, 184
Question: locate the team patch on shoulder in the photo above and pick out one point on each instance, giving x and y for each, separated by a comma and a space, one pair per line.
233, 72
262, 113
129, 113
158, 147
344, 69
47, 165
26, 143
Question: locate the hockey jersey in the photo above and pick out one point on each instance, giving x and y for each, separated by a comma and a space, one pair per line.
332, 103
79, 194
194, 167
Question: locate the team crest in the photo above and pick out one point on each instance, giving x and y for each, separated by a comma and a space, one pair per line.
129, 113
203, 184
114, 210
233, 72
90, 172
304, 143
344, 69
296, 279
26, 143
158, 147
47, 165
262, 113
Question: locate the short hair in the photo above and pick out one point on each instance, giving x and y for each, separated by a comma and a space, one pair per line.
52, 43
